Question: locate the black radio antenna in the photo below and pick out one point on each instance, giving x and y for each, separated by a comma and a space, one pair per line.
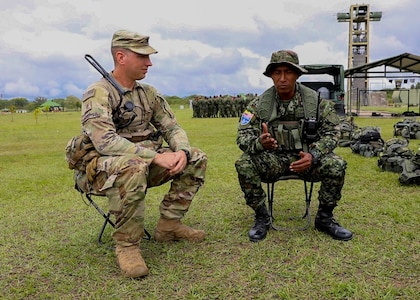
105, 74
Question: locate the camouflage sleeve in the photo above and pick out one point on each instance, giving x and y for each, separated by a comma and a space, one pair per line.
249, 130
98, 125
329, 130
164, 120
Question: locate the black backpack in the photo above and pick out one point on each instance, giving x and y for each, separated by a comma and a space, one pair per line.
367, 141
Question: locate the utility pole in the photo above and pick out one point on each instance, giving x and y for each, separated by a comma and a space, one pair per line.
359, 18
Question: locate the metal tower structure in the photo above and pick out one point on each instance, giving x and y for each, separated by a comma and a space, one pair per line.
359, 18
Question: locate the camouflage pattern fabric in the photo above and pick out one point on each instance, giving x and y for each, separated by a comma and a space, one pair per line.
347, 129
124, 171
411, 170
367, 141
257, 165
408, 128
395, 152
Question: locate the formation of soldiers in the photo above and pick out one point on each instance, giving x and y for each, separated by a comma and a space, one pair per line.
225, 106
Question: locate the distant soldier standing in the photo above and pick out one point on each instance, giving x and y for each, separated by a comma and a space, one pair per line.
269, 134
127, 132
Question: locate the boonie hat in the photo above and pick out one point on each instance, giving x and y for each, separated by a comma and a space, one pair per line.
287, 57
133, 41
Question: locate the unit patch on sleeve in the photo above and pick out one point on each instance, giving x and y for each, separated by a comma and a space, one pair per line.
246, 117
88, 94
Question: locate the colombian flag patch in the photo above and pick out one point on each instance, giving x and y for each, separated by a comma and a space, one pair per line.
246, 117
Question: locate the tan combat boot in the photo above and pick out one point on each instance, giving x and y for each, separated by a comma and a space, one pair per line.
130, 261
173, 230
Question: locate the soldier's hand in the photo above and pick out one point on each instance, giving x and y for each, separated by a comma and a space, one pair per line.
267, 141
179, 164
303, 163
165, 160
174, 162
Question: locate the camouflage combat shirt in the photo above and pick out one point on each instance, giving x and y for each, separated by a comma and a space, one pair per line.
250, 125
150, 113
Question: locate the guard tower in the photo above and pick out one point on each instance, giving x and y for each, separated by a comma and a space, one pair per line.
359, 18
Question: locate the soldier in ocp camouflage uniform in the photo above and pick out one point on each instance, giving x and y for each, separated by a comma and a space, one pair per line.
271, 136
128, 134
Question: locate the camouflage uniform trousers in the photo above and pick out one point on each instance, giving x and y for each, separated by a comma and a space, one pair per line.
269, 166
125, 180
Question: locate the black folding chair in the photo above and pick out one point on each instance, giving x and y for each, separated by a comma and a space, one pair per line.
308, 196
106, 216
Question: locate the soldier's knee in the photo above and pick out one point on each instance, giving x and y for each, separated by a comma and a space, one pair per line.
198, 156
241, 165
333, 166
133, 166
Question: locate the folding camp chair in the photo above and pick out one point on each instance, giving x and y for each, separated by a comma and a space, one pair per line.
105, 215
308, 196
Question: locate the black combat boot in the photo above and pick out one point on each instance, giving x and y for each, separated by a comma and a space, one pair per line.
262, 223
325, 222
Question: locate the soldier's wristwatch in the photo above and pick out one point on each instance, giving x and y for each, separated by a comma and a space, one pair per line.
187, 153
316, 155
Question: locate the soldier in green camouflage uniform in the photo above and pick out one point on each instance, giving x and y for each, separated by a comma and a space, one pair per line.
270, 136
128, 135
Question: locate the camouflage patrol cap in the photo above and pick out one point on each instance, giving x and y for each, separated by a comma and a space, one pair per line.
287, 57
133, 41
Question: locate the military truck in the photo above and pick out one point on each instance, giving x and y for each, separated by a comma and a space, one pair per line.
328, 80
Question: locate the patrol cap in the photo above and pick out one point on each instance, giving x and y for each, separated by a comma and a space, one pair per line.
287, 57
133, 41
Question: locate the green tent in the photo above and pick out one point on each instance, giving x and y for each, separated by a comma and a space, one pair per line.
50, 103
52, 106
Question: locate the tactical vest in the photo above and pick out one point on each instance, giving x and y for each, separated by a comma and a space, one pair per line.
80, 150
288, 133
138, 118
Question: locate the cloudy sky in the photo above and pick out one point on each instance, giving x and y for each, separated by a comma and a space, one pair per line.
205, 47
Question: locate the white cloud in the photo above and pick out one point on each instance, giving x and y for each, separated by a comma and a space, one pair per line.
72, 90
320, 52
203, 45
21, 88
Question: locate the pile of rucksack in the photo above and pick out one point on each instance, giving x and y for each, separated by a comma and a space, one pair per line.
347, 128
399, 158
408, 128
395, 151
411, 170
367, 141
394, 155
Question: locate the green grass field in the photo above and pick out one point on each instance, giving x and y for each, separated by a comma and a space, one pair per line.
48, 246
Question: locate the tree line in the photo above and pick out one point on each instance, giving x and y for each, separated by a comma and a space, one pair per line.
69, 103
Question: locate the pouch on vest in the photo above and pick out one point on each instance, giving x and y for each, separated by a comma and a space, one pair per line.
288, 136
79, 152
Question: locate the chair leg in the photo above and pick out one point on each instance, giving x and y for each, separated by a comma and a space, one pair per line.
107, 220
308, 197
270, 195
148, 236
307, 214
